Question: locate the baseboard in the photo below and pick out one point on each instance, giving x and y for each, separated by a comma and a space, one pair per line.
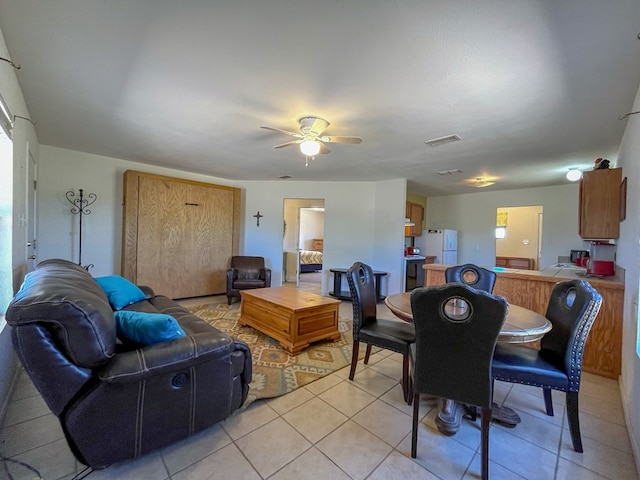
633, 437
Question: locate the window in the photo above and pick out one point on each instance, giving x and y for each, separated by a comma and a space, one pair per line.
501, 232
6, 210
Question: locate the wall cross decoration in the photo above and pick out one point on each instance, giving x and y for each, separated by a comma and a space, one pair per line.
257, 216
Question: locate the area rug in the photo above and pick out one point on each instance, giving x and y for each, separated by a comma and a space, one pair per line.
275, 371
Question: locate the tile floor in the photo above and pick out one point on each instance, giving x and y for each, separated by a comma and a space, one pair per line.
337, 429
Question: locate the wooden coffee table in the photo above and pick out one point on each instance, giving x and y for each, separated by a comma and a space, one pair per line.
294, 318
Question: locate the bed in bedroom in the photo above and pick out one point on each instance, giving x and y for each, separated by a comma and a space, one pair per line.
310, 261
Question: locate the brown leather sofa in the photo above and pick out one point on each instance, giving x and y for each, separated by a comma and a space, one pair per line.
244, 273
117, 402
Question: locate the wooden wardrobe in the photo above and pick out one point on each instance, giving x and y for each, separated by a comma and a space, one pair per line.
178, 235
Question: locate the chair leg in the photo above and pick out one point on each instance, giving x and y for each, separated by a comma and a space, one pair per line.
354, 358
574, 420
548, 404
229, 299
486, 422
405, 378
414, 429
367, 354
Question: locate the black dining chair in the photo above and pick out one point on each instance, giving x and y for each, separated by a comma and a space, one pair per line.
368, 328
572, 309
457, 327
472, 275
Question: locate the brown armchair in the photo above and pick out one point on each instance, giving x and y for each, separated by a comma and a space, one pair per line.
245, 273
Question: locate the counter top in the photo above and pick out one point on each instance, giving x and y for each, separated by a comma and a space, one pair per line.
414, 257
550, 274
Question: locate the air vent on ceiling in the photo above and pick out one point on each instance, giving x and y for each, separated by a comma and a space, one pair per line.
450, 172
442, 140
285, 177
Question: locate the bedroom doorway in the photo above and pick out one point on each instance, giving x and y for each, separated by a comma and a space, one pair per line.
303, 243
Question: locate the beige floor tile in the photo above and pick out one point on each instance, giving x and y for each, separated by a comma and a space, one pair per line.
602, 431
570, 471
188, 451
439, 454
290, 401
315, 419
311, 465
24, 387
537, 431
53, 460
602, 408
600, 458
384, 421
226, 463
601, 390
323, 384
272, 446
347, 398
148, 467
25, 409
31, 434
501, 390
468, 434
496, 470
388, 367
399, 467
344, 372
532, 403
354, 450
395, 398
256, 415
374, 382
520, 456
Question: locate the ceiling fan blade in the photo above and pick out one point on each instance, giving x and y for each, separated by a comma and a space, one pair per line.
324, 148
293, 134
292, 142
355, 140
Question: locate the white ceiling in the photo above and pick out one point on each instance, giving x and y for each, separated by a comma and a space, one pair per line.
532, 87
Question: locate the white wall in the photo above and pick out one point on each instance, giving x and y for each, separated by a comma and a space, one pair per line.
628, 255
349, 233
474, 216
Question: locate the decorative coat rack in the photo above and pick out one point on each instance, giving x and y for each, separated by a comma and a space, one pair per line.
80, 204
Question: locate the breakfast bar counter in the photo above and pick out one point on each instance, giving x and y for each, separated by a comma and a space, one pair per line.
532, 288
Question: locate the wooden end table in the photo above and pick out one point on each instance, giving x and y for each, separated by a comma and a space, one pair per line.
293, 317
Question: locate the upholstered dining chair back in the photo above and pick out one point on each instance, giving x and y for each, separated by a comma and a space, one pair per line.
457, 327
472, 275
572, 309
363, 296
374, 331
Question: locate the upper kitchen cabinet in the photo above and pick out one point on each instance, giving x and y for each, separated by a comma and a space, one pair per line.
599, 207
415, 213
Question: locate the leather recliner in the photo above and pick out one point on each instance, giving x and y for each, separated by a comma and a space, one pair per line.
116, 402
245, 273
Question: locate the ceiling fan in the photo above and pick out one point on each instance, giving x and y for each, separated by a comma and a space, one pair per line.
310, 138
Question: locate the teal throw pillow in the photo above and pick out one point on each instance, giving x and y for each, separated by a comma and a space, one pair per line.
120, 291
146, 328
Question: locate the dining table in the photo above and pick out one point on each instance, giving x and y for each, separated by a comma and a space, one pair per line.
521, 326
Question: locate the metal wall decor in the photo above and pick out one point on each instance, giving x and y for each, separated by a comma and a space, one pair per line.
80, 204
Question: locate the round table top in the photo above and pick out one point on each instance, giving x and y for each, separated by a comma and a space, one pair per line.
521, 326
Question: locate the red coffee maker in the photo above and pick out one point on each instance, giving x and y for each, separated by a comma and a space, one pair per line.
601, 259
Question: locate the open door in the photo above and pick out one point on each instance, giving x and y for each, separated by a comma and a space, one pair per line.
303, 232
31, 192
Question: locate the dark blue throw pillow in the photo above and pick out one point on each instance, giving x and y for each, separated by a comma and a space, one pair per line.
146, 328
120, 291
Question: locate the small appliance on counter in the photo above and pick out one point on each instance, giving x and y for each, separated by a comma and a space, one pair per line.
601, 259
576, 255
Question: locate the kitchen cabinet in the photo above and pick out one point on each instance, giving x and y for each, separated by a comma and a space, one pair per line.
415, 213
599, 207
603, 350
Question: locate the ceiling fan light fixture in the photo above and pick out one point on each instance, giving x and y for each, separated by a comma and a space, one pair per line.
573, 175
310, 148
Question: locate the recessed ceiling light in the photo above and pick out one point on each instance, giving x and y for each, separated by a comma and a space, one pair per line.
480, 182
573, 175
434, 142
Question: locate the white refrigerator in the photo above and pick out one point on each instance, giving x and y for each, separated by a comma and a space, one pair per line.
441, 243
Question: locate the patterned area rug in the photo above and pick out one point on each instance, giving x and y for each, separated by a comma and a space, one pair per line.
275, 371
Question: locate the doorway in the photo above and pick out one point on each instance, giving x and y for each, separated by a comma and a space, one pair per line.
303, 243
519, 237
